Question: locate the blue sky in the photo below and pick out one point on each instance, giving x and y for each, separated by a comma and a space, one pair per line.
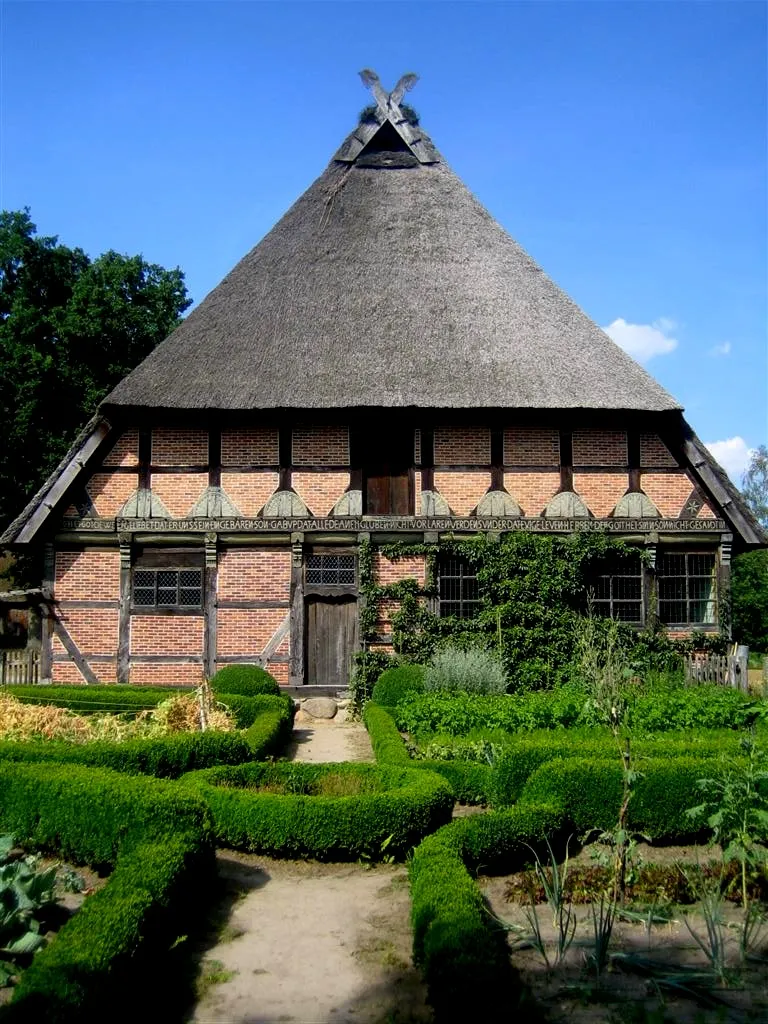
622, 144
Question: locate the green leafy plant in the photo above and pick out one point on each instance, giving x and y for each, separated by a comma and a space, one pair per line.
736, 809
554, 880
24, 892
473, 670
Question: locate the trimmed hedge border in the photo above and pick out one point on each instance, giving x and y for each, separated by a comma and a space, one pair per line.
157, 837
410, 805
522, 757
269, 721
461, 951
471, 783
588, 793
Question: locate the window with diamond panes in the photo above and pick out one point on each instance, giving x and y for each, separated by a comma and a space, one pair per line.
331, 570
167, 588
459, 592
616, 590
686, 588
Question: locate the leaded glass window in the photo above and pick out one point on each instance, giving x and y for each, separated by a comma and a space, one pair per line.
331, 571
616, 590
686, 588
459, 591
167, 588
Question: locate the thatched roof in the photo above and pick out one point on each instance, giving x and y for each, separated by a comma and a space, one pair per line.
387, 284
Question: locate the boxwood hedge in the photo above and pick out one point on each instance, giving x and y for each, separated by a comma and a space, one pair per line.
158, 840
268, 719
248, 680
471, 783
395, 809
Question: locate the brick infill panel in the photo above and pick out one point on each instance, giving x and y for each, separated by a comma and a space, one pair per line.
110, 491
320, 491
462, 489
93, 630
531, 446
386, 571
246, 631
600, 492
87, 576
600, 447
167, 634
668, 491
532, 491
249, 492
175, 447
179, 492
125, 451
654, 453
257, 446
254, 575
320, 446
462, 446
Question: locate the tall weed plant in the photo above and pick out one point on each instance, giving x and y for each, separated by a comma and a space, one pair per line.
474, 670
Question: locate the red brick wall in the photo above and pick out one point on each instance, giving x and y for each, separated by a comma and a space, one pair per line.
599, 448
179, 491
417, 447
246, 631
67, 672
532, 491
257, 446
174, 447
320, 491
705, 512
125, 451
249, 491
110, 491
462, 446
279, 670
94, 630
531, 446
668, 491
87, 575
462, 489
320, 446
386, 571
600, 492
254, 576
167, 634
166, 674
654, 453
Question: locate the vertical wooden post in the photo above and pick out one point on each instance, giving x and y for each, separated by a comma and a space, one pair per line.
566, 460
633, 457
210, 604
46, 626
124, 615
497, 459
724, 585
285, 443
427, 460
650, 607
296, 668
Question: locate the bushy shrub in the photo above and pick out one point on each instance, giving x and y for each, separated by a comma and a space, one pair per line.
393, 684
248, 680
157, 837
269, 721
462, 953
474, 670
86, 700
589, 793
471, 783
407, 806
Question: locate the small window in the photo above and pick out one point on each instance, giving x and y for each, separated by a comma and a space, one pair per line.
331, 570
459, 591
167, 588
616, 590
687, 590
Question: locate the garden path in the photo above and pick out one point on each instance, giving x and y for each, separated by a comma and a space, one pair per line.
321, 740
313, 944
308, 942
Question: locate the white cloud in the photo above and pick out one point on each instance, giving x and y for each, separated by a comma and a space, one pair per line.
733, 455
643, 341
721, 350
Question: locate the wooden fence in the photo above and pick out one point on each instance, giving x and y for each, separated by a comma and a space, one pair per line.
722, 669
19, 667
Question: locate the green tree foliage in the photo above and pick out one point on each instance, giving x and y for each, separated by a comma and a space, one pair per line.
70, 329
749, 599
754, 484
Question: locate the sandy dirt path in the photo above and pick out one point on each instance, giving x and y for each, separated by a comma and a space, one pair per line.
319, 740
315, 944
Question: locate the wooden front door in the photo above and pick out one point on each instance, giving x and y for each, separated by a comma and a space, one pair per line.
389, 473
331, 639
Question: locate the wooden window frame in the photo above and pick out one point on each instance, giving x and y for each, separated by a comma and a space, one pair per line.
475, 603
167, 609
687, 599
618, 570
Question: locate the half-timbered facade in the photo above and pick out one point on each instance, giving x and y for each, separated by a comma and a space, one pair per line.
387, 363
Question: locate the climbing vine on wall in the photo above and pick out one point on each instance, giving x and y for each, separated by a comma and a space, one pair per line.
534, 595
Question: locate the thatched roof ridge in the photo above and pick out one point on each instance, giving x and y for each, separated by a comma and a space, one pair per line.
382, 287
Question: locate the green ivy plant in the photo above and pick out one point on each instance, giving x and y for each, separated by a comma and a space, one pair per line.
534, 592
